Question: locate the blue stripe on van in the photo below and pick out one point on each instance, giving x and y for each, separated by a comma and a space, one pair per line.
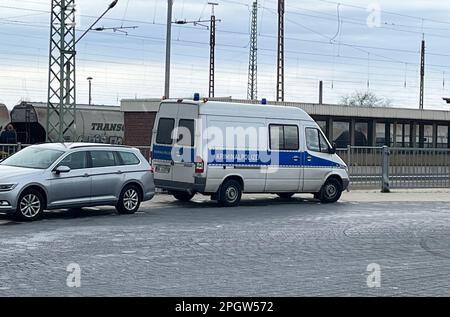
242, 157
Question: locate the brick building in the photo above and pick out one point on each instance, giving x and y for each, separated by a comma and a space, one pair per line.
139, 119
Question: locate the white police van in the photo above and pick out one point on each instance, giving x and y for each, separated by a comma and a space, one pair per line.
225, 149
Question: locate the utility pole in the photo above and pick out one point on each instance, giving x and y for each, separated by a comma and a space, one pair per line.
61, 102
212, 45
168, 47
422, 74
280, 61
320, 92
252, 90
90, 89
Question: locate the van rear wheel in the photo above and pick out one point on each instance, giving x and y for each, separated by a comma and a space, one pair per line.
331, 191
183, 196
230, 193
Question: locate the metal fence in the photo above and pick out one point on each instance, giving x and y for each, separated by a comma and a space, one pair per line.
385, 168
6, 150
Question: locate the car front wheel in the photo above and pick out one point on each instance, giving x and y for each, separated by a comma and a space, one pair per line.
129, 201
30, 205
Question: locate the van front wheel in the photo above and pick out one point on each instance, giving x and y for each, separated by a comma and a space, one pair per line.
331, 191
230, 193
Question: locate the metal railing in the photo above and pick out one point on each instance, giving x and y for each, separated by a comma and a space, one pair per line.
386, 168
6, 150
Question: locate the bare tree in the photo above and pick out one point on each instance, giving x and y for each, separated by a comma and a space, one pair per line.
365, 99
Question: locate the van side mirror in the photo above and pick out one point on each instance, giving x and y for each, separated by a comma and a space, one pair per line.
332, 149
62, 170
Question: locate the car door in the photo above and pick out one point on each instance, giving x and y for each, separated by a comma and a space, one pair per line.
285, 169
107, 176
317, 160
74, 187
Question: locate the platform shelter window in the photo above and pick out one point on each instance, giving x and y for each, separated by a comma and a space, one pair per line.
361, 134
442, 136
341, 134
403, 135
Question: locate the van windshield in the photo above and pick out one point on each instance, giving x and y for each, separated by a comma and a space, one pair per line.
33, 157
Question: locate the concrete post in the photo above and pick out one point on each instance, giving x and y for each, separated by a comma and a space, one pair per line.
385, 186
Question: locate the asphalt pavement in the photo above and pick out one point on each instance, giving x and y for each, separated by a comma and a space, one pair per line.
368, 244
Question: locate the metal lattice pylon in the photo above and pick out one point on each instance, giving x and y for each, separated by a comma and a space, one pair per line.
280, 61
252, 90
212, 50
61, 107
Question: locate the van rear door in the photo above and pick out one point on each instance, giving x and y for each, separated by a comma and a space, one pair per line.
163, 139
184, 150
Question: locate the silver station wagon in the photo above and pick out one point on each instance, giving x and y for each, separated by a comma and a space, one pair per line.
59, 176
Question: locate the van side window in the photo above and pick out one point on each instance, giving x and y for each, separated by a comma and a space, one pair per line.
186, 132
165, 129
315, 141
284, 137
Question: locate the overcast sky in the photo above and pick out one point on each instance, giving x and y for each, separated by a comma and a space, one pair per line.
324, 41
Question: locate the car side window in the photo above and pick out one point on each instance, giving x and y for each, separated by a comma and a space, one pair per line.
129, 158
75, 161
103, 159
315, 141
165, 130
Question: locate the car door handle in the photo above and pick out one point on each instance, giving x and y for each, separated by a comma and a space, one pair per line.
86, 175
119, 172
296, 158
309, 158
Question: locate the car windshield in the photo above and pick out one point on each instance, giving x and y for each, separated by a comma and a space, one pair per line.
33, 157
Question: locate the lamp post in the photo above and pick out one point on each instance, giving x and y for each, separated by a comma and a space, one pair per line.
90, 89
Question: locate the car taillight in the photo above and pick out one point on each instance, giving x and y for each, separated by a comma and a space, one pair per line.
199, 165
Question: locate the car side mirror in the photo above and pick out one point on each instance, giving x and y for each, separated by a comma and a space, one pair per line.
62, 170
